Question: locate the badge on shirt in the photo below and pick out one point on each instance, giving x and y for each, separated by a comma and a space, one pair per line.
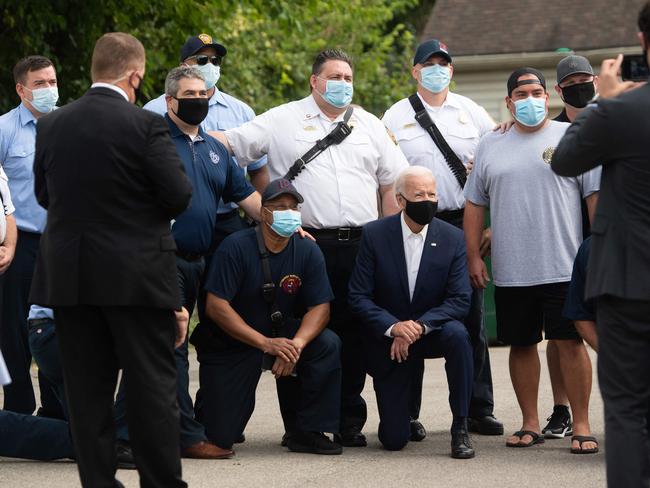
290, 284
547, 155
462, 118
408, 126
214, 157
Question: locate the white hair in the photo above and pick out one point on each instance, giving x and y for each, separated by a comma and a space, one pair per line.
411, 172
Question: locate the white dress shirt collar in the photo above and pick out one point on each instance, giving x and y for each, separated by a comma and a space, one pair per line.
407, 232
115, 88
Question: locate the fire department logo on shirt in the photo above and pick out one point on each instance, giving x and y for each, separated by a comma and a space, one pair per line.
547, 155
290, 284
214, 157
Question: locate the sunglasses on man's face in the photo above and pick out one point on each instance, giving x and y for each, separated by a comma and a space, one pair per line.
203, 59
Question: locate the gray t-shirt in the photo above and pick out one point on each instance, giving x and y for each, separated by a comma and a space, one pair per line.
535, 214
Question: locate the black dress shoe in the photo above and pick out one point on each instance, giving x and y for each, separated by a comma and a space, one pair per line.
124, 455
118, 484
313, 443
461, 445
487, 425
351, 438
285, 439
418, 432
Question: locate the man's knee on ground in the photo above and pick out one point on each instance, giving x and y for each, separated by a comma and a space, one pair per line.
392, 441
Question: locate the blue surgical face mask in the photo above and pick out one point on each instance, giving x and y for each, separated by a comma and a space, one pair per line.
435, 78
338, 93
286, 222
530, 111
211, 73
45, 99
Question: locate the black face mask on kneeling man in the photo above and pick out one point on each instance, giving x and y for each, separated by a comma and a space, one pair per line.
422, 212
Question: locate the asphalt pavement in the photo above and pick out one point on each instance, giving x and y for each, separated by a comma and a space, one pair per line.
262, 462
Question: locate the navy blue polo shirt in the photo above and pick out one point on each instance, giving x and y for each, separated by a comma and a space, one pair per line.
214, 175
236, 275
575, 306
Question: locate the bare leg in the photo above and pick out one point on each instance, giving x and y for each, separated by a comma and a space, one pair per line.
576, 369
555, 372
524, 373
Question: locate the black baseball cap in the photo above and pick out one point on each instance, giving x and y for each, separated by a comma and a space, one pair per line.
513, 80
572, 65
278, 187
428, 49
196, 43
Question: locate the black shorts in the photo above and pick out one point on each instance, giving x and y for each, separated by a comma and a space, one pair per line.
523, 311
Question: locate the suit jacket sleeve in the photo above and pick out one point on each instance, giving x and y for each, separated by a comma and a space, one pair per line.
40, 184
589, 142
457, 299
165, 169
362, 286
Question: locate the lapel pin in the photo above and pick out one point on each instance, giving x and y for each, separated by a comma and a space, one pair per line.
433, 244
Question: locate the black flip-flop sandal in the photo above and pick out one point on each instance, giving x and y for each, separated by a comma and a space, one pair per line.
537, 439
581, 440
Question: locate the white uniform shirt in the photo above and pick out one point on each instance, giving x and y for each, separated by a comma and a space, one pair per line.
340, 185
462, 123
7, 204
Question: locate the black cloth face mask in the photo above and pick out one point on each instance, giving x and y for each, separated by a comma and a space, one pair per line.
192, 111
579, 95
423, 212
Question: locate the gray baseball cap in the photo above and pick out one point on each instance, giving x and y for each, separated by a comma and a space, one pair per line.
571, 65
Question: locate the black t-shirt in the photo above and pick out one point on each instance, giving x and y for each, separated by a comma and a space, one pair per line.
236, 275
562, 117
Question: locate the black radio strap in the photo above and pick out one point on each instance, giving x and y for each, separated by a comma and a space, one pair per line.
268, 288
338, 134
453, 161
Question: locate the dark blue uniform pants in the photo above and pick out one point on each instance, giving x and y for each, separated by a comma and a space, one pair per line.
16, 282
190, 274
229, 379
30, 437
393, 381
340, 258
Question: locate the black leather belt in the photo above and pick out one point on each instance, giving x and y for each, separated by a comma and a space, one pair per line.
37, 322
228, 215
336, 234
188, 256
448, 215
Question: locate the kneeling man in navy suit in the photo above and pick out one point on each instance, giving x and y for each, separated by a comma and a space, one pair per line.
411, 290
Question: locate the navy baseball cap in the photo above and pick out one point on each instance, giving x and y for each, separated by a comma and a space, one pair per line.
513, 80
278, 187
196, 43
428, 49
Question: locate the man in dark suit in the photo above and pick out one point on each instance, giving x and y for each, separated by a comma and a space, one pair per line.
411, 291
111, 180
615, 134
